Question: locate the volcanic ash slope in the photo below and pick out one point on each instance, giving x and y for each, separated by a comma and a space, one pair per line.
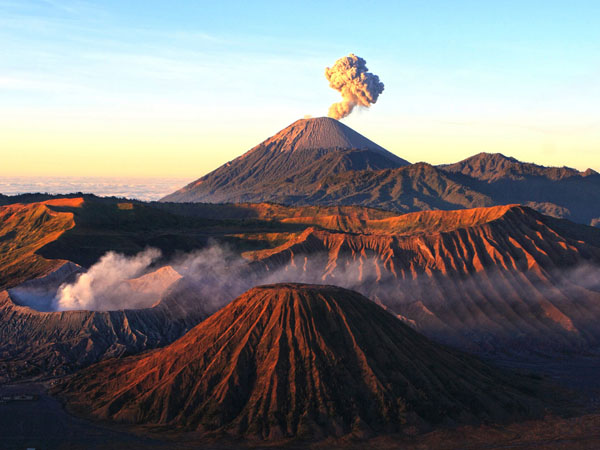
294, 360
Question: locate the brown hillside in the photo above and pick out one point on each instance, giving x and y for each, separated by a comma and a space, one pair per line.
24, 229
486, 280
299, 360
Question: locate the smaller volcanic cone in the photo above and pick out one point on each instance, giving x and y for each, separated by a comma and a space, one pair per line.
294, 360
359, 87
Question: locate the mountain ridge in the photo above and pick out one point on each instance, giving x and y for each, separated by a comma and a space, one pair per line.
516, 283
287, 169
495, 166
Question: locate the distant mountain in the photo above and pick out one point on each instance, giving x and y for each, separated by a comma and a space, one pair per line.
323, 162
287, 163
557, 191
495, 166
300, 361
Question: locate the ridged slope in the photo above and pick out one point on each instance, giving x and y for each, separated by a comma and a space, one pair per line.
513, 281
322, 133
299, 360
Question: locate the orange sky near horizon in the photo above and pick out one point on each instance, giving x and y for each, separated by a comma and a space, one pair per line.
180, 150
155, 89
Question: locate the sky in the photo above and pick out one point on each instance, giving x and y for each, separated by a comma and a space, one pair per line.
147, 88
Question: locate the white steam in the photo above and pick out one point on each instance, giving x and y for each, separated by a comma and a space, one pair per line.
215, 275
359, 87
104, 287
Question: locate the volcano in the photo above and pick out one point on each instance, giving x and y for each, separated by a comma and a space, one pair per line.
299, 360
296, 157
323, 162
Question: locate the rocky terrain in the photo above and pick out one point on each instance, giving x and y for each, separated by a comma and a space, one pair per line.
306, 361
488, 280
35, 344
503, 282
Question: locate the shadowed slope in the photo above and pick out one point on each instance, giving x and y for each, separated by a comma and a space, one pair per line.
299, 360
415, 187
557, 191
44, 344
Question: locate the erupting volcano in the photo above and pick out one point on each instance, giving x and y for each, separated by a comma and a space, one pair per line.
298, 156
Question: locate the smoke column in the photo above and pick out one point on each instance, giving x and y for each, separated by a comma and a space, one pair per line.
359, 87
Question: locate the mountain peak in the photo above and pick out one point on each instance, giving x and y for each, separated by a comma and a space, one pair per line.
493, 167
487, 159
320, 133
300, 155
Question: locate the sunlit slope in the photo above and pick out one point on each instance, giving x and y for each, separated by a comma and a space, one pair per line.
503, 279
24, 229
489, 280
290, 360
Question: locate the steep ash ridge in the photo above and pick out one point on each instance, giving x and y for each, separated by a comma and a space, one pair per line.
501, 280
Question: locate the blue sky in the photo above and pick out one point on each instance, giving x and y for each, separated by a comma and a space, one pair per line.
178, 88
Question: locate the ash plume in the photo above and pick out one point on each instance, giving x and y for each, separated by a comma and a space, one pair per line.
359, 87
